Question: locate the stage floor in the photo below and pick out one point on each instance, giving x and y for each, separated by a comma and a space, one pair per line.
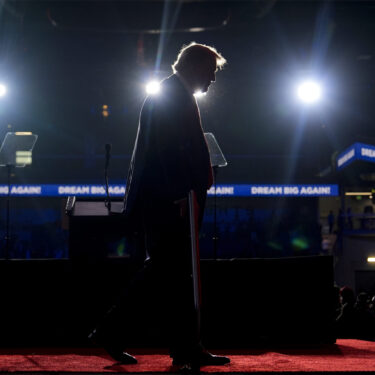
345, 356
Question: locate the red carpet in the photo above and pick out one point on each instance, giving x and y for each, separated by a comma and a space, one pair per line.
347, 355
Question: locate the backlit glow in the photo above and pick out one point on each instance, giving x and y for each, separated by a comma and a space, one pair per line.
3, 90
309, 92
199, 94
153, 88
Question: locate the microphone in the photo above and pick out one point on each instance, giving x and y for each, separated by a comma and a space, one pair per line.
108, 147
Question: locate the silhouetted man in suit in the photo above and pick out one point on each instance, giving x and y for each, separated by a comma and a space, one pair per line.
170, 158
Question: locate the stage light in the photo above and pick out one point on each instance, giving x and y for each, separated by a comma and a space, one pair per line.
355, 193
3, 90
371, 259
309, 92
199, 94
153, 88
105, 110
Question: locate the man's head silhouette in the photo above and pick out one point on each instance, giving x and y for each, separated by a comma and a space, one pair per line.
197, 65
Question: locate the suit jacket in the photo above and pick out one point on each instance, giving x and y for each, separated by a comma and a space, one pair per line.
170, 155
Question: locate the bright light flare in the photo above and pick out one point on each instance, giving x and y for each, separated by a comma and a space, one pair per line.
371, 259
200, 94
3, 90
309, 92
153, 88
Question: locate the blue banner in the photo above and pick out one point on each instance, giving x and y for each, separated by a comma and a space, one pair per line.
346, 157
366, 152
293, 190
357, 151
221, 190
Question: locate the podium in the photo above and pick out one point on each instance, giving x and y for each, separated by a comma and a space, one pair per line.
96, 234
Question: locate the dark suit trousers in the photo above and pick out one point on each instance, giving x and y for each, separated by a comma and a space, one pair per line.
165, 282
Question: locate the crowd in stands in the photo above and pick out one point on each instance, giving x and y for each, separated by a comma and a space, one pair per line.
355, 315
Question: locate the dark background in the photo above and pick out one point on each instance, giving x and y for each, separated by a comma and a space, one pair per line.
63, 60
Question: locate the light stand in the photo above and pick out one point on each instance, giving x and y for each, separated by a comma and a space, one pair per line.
107, 157
15, 151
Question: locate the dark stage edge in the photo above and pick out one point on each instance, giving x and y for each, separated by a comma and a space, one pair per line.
347, 356
65, 300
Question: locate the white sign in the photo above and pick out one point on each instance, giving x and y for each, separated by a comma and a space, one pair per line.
368, 152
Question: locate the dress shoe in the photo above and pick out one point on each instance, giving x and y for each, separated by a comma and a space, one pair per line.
120, 356
204, 358
114, 351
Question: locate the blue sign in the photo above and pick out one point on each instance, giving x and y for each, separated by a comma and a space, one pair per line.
366, 152
221, 190
347, 156
294, 190
357, 151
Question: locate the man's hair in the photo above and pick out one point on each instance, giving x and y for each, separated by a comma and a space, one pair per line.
194, 54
